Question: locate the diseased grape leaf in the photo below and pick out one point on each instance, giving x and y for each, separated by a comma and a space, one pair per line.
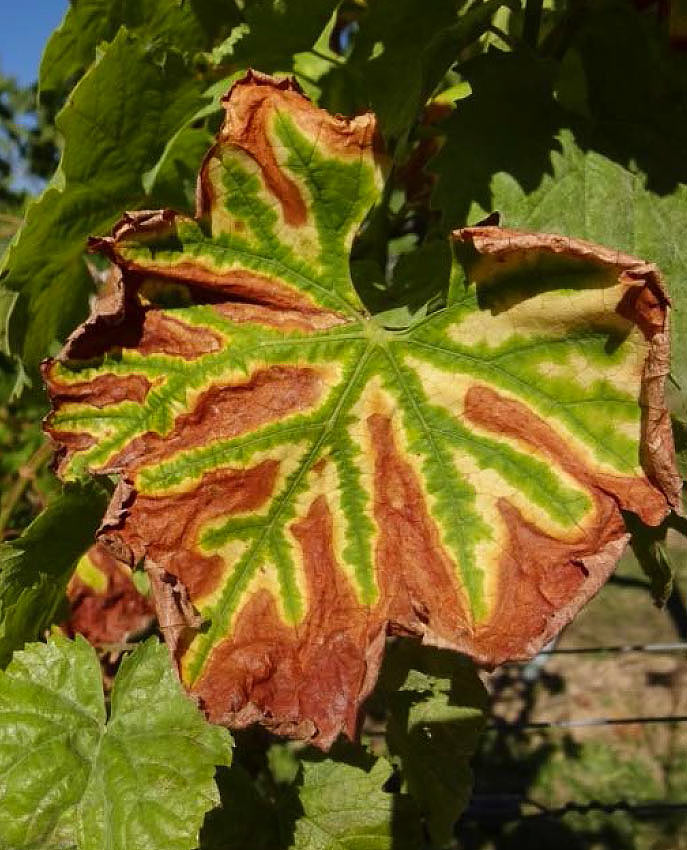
302, 481
105, 606
36, 567
72, 777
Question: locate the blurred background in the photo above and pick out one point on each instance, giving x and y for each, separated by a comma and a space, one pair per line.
27, 152
587, 745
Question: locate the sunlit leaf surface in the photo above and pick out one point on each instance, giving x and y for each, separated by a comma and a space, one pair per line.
73, 777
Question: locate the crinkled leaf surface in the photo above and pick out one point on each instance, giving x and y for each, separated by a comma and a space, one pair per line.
35, 568
301, 481
70, 777
105, 606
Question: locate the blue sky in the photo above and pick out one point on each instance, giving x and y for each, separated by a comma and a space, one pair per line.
25, 27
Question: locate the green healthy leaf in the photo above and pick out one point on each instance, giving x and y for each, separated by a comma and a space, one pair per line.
70, 777
188, 27
332, 804
7, 300
106, 152
35, 568
302, 480
436, 710
345, 806
173, 180
680, 435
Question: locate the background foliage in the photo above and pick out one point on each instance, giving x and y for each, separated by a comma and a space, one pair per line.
564, 116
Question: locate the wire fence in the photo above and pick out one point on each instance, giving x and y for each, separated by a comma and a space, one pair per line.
680, 646
504, 808
504, 725
507, 807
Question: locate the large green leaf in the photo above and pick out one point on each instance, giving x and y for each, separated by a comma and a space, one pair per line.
35, 568
115, 125
301, 480
71, 777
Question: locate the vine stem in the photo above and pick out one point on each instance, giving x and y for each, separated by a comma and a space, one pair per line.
26, 474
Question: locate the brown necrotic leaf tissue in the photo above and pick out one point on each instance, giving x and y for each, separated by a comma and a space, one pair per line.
105, 605
302, 482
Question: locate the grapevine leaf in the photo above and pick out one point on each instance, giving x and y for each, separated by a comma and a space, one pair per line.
188, 27
436, 708
172, 180
301, 480
104, 604
70, 777
327, 805
344, 805
35, 568
105, 155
